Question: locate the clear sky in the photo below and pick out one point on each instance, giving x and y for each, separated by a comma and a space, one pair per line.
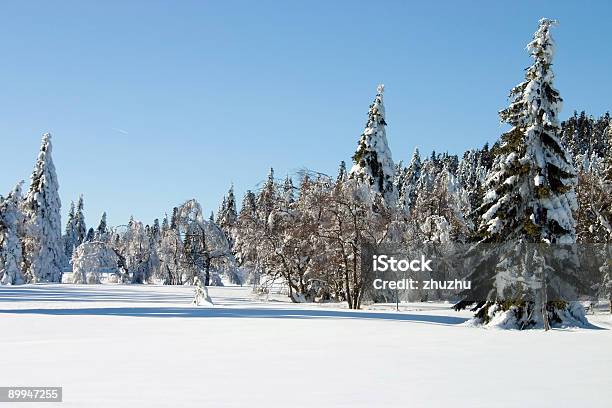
152, 103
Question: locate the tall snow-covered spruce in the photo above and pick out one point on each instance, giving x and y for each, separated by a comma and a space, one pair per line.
531, 189
11, 220
43, 250
530, 197
373, 163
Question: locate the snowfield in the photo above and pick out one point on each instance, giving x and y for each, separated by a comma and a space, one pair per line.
146, 346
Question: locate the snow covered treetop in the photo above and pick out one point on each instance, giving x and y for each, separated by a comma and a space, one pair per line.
378, 106
543, 47
46, 146
535, 100
372, 160
44, 163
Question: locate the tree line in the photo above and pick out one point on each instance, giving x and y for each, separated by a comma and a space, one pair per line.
543, 181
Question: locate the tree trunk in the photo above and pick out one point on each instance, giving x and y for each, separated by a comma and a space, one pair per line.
207, 272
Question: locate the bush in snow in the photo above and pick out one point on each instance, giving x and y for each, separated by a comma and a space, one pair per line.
91, 260
201, 297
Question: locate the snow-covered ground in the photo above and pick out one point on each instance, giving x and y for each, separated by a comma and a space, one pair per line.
146, 346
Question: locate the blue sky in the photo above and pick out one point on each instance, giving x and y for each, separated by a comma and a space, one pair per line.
152, 103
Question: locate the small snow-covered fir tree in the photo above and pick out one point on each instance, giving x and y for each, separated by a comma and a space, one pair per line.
165, 224
79, 222
373, 163
43, 251
249, 204
90, 236
220, 212
266, 198
408, 192
342, 174
530, 197
70, 237
155, 235
76, 230
245, 245
102, 230
227, 215
472, 173
288, 191
11, 220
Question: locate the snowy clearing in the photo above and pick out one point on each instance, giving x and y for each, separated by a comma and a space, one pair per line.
146, 346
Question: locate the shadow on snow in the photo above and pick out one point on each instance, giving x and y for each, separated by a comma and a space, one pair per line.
250, 313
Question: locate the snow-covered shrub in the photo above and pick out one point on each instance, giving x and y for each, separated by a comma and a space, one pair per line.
525, 315
92, 260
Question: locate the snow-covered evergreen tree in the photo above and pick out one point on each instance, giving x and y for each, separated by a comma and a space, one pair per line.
79, 222
165, 224
412, 174
244, 245
43, 250
342, 174
232, 214
421, 200
227, 215
102, 230
155, 231
155, 236
531, 190
249, 204
586, 136
530, 197
471, 175
373, 163
76, 230
220, 212
288, 191
266, 198
70, 236
90, 236
11, 220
